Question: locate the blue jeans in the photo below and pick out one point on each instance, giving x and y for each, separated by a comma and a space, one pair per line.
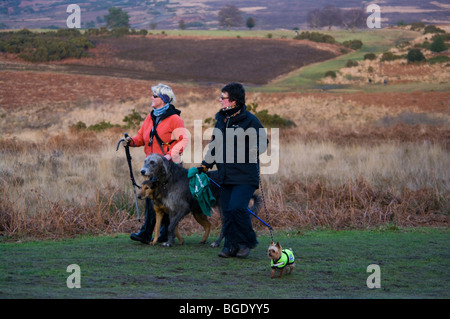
237, 226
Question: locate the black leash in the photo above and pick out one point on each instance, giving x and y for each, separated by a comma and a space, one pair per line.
268, 226
133, 182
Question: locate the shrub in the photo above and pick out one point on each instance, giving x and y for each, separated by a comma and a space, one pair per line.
210, 121
423, 45
266, 119
417, 26
133, 120
438, 44
269, 120
432, 29
370, 56
78, 127
316, 37
389, 56
415, 55
120, 32
351, 63
101, 126
68, 33
403, 44
353, 44
445, 36
331, 74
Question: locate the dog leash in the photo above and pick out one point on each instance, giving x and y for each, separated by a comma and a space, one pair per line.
133, 182
262, 221
263, 198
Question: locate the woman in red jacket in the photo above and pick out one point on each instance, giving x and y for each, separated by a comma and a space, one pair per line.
162, 132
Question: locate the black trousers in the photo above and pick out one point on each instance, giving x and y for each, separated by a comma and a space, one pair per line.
238, 230
150, 221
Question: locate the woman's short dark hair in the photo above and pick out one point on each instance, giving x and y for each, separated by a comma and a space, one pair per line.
236, 92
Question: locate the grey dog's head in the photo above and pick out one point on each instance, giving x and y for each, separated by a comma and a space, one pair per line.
155, 167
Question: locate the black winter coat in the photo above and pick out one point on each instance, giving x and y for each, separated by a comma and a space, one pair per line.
235, 147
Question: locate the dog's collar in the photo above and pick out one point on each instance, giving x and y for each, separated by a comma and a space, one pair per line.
163, 184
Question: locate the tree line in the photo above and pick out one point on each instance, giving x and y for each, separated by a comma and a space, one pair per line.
330, 16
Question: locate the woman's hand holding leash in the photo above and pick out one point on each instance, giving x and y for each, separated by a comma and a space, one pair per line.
126, 141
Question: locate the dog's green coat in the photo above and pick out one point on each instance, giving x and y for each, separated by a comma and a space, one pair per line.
287, 258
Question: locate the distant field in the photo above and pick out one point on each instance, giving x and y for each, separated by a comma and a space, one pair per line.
193, 59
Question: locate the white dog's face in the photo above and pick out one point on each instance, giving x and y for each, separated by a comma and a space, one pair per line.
152, 164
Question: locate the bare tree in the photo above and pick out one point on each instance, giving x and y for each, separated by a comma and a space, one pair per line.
230, 16
313, 18
354, 18
331, 16
250, 22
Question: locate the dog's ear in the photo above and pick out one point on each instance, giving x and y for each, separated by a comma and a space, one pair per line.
278, 245
271, 243
165, 164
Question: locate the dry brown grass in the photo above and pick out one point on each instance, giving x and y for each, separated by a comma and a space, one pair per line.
67, 185
355, 205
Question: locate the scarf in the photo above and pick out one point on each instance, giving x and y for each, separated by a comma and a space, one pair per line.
231, 112
161, 111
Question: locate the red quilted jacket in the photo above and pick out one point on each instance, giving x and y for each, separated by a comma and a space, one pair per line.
170, 129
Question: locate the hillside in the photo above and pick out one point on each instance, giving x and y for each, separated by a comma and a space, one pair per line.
202, 14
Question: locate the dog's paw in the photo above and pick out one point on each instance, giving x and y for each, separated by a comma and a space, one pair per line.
215, 245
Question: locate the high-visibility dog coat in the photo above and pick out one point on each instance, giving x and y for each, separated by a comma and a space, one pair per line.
287, 258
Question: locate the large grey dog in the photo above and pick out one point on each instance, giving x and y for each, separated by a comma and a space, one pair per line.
176, 195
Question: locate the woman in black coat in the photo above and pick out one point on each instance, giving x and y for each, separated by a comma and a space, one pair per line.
238, 140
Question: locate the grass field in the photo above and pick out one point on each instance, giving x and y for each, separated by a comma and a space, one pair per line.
413, 264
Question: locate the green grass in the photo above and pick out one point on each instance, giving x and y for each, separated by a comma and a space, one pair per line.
374, 41
414, 264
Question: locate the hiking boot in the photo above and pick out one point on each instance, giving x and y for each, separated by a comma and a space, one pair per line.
140, 237
225, 253
243, 252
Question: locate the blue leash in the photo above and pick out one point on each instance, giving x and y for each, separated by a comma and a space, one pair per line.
270, 227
